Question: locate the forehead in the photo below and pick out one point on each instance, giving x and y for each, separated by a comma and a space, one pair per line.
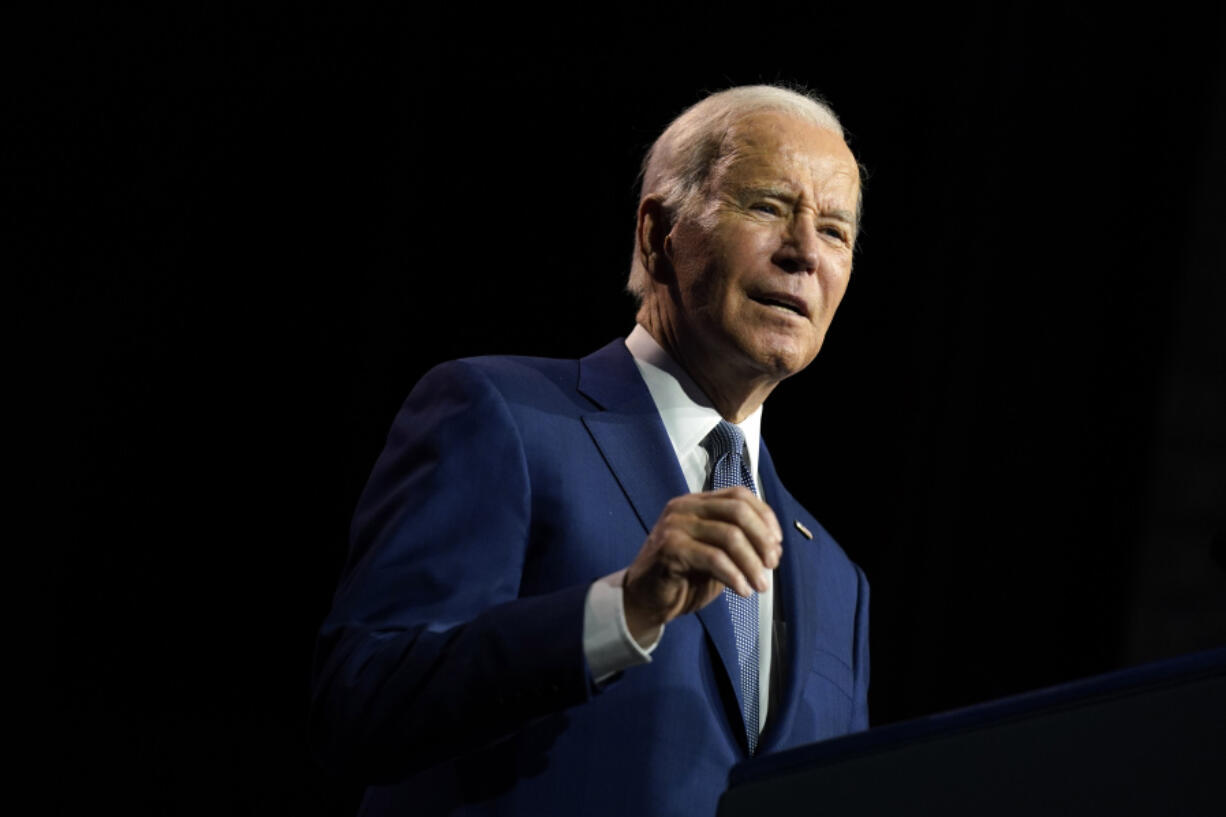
772, 149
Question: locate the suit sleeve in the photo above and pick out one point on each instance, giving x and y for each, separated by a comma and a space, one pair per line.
429, 650
860, 658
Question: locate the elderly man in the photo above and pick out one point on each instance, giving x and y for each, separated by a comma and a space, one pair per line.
579, 587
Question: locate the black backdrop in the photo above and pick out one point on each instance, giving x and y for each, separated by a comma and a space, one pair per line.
253, 231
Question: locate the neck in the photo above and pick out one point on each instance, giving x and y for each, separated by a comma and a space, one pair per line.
734, 394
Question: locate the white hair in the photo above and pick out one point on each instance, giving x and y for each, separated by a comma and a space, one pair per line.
678, 165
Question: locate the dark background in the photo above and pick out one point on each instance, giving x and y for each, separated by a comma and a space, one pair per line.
253, 232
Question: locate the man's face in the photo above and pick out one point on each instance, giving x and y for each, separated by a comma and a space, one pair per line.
763, 259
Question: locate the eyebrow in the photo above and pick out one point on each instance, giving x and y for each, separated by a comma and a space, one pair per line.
772, 192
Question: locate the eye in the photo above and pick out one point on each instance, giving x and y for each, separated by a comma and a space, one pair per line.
770, 208
832, 231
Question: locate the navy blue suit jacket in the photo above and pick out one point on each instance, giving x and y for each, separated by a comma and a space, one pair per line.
450, 674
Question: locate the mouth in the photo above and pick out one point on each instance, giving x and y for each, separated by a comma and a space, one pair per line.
782, 301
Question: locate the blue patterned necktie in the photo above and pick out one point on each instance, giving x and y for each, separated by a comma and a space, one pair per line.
729, 467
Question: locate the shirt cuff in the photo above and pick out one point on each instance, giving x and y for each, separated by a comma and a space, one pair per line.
607, 643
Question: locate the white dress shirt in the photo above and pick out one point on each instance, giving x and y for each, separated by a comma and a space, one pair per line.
688, 417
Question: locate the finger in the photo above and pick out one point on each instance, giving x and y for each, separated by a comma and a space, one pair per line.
733, 541
763, 510
718, 564
734, 509
678, 575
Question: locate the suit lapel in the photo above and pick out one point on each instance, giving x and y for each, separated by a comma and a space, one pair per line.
629, 433
631, 438
796, 587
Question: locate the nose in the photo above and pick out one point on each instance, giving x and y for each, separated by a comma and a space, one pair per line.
799, 250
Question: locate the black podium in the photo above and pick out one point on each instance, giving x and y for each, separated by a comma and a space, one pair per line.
1149, 740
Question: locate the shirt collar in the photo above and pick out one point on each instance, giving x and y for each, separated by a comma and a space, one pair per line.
687, 414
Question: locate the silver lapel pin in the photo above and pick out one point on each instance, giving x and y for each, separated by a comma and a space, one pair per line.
804, 531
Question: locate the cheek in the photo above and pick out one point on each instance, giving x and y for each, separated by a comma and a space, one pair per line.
756, 247
742, 246
698, 264
834, 286
701, 286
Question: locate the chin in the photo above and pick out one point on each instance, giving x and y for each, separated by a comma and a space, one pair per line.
786, 356
783, 362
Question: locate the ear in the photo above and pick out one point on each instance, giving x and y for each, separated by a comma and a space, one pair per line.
654, 226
